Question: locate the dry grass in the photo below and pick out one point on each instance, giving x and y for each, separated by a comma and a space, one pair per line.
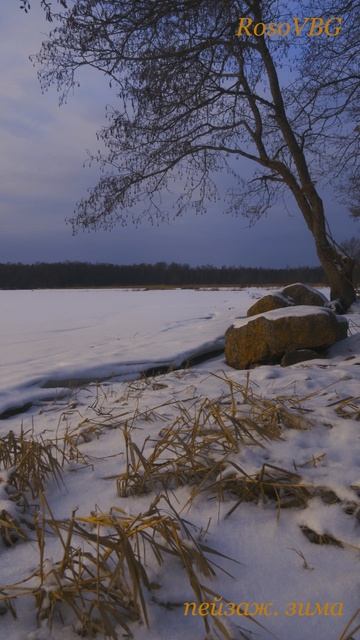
30, 463
349, 408
270, 484
26, 466
11, 529
323, 538
272, 416
179, 457
194, 448
352, 627
101, 581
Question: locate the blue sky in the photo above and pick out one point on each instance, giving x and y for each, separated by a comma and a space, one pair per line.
43, 148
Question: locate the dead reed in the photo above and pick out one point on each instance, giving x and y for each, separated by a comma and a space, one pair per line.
193, 449
270, 484
30, 463
101, 582
26, 466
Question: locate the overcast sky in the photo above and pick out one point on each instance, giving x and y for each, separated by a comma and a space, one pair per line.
43, 147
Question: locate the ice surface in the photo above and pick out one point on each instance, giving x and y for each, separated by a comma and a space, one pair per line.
94, 334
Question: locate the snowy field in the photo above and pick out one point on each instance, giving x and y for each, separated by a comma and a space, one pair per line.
76, 356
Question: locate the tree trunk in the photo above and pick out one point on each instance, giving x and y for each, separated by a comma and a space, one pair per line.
338, 269
337, 266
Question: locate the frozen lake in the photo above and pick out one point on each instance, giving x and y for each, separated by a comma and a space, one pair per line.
79, 334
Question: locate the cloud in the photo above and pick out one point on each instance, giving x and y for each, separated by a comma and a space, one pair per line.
42, 152
43, 146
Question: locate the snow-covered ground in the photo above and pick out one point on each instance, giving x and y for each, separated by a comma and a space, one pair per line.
61, 335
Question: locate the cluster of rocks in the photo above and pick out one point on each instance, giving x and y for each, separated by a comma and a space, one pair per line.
293, 294
289, 326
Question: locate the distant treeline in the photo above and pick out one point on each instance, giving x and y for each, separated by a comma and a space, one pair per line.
56, 275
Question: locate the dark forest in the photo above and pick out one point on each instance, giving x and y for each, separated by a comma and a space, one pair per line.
83, 274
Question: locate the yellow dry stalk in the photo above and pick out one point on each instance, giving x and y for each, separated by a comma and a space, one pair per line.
270, 483
350, 629
191, 449
268, 413
30, 462
11, 530
101, 578
348, 408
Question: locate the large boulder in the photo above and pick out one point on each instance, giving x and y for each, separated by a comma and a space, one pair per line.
265, 338
299, 355
304, 294
269, 302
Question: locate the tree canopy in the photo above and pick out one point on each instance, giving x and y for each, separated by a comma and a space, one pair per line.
46, 5
194, 96
331, 75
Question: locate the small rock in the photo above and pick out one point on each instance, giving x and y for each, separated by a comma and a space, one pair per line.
268, 303
336, 306
304, 294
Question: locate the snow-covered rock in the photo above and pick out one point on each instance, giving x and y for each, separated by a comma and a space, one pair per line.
269, 302
265, 338
300, 293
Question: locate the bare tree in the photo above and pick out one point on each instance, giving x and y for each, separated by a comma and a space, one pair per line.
354, 195
46, 5
193, 98
352, 248
331, 90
